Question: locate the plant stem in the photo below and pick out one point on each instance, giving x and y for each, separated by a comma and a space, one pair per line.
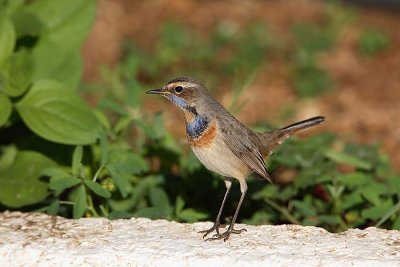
66, 202
103, 211
91, 207
282, 210
96, 175
387, 215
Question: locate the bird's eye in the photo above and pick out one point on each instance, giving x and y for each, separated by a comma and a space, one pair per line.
178, 89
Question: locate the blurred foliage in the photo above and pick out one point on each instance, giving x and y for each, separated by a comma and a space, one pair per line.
59, 155
335, 188
372, 41
312, 39
309, 78
229, 50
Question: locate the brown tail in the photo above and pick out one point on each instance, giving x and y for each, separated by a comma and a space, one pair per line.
302, 125
270, 140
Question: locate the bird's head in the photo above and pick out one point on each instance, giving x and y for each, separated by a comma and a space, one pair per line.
185, 92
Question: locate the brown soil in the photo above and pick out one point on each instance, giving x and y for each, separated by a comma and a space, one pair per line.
363, 107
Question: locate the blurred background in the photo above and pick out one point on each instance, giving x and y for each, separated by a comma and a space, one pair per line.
270, 63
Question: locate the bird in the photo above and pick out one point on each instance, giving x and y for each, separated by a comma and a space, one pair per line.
222, 143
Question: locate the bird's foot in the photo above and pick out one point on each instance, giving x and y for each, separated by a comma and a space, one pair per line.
225, 235
215, 228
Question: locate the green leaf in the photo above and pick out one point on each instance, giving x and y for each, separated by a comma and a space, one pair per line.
103, 148
20, 184
97, 189
352, 199
133, 92
63, 182
53, 208
12, 6
119, 214
79, 202
68, 21
179, 204
266, 191
394, 183
122, 124
259, 217
304, 208
127, 162
17, 73
58, 115
159, 198
77, 160
7, 37
393, 210
353, 180
190, 162
286, 194
53, 62
330, 219
123, 204
373, 192
120, 180
5, 109
191, 215
54, 171
377, 212
396, 224
27, 24
155, 130
343, 158
139, 191
7, 158
153, 212
102, 118
113, 106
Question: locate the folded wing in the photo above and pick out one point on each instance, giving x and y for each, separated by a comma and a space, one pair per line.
239, 141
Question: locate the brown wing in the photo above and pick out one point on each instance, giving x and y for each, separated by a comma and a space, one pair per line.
239, 141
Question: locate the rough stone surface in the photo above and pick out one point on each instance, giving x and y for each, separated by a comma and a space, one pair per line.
34, 239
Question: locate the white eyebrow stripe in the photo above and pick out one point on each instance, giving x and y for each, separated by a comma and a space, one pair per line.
184, 84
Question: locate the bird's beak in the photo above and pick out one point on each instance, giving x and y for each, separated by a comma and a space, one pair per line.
160, 91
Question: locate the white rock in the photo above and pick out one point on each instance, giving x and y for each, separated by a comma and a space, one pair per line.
35, 239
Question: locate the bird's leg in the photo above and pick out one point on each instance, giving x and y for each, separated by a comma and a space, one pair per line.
225, 235
217, 224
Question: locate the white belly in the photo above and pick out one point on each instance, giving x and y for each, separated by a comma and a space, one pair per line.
217, 157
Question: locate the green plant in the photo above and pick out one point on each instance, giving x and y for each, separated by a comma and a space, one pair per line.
337, 189
309, 79
372, 41
59, 155
311, 39
40, 68
228, 51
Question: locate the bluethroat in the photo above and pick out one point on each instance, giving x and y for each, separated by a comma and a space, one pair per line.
223, 144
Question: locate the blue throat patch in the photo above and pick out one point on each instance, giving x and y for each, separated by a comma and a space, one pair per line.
178, 101
195, 128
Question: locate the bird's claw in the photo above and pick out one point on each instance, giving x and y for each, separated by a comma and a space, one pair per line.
215, 228
225, 235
